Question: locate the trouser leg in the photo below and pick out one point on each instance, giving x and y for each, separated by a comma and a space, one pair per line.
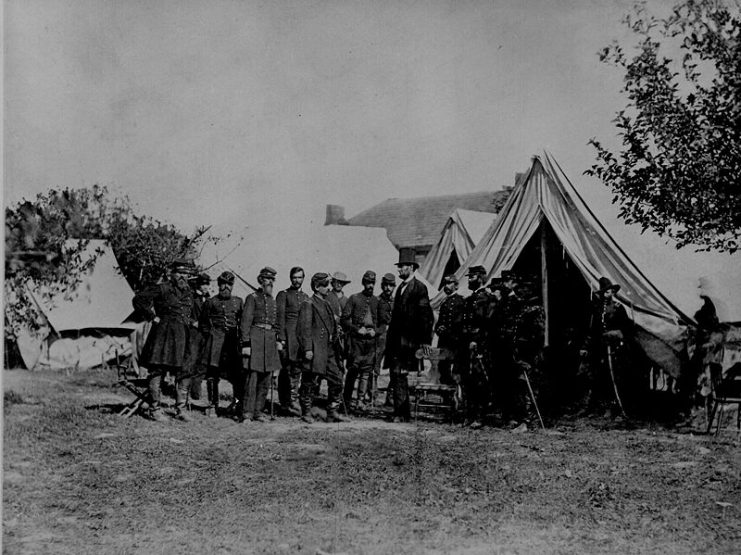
257, 392
364, 380
284, 385
352, 375
294, 375
182, 385
309, 382
156, 377
334, 395
401, 392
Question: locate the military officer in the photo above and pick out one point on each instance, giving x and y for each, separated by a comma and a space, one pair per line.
336, 296
316, 332
219, 325
360, 321
503, 338
449, 325
169, 305
200, 284
289, 301
385, 308
609, 331
260, 346
473, 353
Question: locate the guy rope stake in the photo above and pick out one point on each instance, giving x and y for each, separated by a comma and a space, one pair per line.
614, 383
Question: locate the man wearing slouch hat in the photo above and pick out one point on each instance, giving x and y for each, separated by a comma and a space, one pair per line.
169, 305
260, 347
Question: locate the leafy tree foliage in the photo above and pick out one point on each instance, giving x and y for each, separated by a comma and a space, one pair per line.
45, 239
679, 172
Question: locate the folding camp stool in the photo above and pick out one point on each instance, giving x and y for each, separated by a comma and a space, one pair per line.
428, 387
726, 390
137, 385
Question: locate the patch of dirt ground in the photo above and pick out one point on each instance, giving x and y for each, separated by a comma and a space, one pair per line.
80, 479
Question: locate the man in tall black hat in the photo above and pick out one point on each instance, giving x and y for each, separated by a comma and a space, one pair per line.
169, 305
360, 321
609, 331
474, 356
410, 329
449, 326
316, 332
289, 301
219, 325
260, 347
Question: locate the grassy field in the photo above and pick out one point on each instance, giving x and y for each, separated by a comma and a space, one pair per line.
80, 479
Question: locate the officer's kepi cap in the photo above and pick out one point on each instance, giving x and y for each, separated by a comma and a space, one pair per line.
450, 279
389, 279
476, 270
267, 272
369, 276
226, 277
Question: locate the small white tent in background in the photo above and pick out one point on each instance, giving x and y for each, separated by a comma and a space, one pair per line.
87, 326
316, 248
460, 234
546, 229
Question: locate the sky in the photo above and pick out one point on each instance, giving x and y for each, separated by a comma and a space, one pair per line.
245, 112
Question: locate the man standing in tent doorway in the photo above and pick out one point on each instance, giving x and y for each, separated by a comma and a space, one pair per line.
169, 305
473, 353
609, 330
360, 320
219, 324
260, 346
410, 329
316, 332
289, 302
449, 327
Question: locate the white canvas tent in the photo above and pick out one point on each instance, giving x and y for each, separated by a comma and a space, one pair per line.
659, 284
461, 233
85, 327
315, 248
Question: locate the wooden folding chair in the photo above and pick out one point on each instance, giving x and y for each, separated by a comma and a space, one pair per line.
427, 390
135, 384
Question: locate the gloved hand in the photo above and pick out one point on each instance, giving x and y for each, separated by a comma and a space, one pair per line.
309, 355
246, 351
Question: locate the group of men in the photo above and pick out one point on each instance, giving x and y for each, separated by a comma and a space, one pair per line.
492, 341
303, 338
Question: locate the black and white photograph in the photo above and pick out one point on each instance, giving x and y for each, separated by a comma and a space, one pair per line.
343, 277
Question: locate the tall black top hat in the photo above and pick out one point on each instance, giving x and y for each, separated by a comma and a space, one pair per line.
407, 256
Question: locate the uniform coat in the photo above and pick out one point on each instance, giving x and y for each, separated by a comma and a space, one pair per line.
219, 325
360, 348
169, 340
289, 303
259, 330
411, 322
450, 322
317, 332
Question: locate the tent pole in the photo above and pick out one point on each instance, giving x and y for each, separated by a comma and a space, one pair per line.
544, 283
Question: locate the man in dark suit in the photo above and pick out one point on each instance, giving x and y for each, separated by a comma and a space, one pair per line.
316, 332
289, 302
410, 329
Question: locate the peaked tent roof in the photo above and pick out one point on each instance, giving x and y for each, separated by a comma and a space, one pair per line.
461, 233
416, 222
547, 194
101, 300
316, 248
